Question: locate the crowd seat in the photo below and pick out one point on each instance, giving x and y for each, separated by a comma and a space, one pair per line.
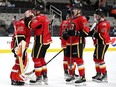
58, 1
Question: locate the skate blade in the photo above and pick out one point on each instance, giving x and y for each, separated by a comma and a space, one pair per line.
103, 81
69, 82
94, 80
45, 83
80, 84
36, 83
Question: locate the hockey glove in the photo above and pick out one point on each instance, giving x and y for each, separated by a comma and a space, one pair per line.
65, 35
91, 32
77, 33
71, 32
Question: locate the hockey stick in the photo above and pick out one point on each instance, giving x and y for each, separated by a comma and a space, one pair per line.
31, 72
19, 57
54, 56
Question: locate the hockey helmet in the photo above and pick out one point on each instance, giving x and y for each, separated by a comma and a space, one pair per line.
100, 12
39, 7
77, 5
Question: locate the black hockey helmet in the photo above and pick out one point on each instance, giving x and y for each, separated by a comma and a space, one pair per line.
77, 5
100, 12
40, 6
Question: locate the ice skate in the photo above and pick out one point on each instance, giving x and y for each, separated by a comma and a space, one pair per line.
76, 76
37, 80
96, 76
80, 81
45, 79
103, 78
70, 79
66, 75
13, 82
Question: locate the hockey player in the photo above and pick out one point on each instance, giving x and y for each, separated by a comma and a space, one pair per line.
21, 33
101, 39
42, 40
76, 42
63, 27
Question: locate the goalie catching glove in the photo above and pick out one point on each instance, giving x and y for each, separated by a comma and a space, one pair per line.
19, 50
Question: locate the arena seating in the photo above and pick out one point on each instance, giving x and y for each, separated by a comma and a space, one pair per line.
6, 14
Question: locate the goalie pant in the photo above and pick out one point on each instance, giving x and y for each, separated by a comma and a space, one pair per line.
21, 34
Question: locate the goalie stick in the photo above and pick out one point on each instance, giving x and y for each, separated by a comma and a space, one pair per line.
31, 72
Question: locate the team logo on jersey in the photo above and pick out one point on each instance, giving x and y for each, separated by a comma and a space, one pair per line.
85, 24
20, 28
34, 20
103, 30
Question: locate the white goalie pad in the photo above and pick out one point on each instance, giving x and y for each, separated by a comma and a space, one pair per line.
20, 48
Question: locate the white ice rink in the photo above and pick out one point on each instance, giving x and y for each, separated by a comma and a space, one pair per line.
55, 70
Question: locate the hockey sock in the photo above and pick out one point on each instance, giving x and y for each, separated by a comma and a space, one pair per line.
37, 66
97, 67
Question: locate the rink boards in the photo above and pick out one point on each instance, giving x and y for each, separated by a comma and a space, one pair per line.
55, 45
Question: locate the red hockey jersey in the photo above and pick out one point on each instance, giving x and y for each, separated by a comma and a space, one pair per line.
20, 31
40, 25
102, 28
82, 25
64, 25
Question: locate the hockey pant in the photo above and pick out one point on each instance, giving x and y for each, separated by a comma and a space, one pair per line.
76, 54
98, 58
38, 56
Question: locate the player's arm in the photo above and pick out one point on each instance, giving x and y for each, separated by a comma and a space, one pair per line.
84, 32
100, 35
28, 35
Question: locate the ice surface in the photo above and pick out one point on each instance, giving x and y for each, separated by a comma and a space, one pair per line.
55, 70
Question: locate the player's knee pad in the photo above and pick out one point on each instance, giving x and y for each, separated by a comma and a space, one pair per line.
79, 61
95, 60
43, 61
65, 62
70, 61
37, 62
100, 61
65, 58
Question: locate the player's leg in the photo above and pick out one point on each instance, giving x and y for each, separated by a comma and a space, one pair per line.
37, 64
102, 50
80, 63
15, 75
97, 68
